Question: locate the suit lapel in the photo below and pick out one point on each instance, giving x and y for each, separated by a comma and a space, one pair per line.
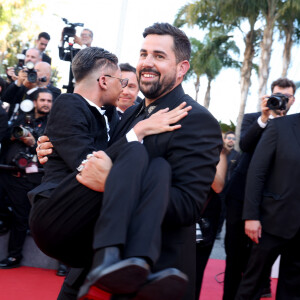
171, 100
126, 121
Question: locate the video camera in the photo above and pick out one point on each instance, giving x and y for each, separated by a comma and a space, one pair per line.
277, 101
70, 31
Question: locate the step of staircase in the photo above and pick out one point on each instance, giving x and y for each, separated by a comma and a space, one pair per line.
32, 255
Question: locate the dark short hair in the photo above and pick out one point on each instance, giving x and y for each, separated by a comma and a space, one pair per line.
39, 91
89, 30
44, 35
126, 67
182, 44
227, 133
90, 59
283, 83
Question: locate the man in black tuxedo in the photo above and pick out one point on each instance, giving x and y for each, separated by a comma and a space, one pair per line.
126, 236
272, 209
192, 152
237, 244
258, 263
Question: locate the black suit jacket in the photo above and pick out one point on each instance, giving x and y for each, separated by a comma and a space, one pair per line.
75, 129
250, 135
3, 124
272, 191
46, 58
192, 152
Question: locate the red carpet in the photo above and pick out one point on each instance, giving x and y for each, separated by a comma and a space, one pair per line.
211, 289
27, 283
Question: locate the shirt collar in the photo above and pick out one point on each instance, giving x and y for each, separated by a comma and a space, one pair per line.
101, 111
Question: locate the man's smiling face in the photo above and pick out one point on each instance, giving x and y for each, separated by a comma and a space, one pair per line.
157, 67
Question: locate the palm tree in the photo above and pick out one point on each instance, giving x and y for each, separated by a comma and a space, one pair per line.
196, 69
214, 56
288, 25
270, 12
228, 14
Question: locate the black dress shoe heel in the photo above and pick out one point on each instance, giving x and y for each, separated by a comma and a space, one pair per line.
169, 284
123, 277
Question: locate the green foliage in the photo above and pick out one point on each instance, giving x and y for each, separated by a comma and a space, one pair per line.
227, 127
208, 58
15, 20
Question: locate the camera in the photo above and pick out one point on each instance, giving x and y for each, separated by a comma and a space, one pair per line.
22, 159
19, 132
20, 65
31, 72
70, 31
277, 101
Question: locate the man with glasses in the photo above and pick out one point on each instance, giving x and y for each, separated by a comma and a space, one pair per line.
237, 244
129, 94
85, 39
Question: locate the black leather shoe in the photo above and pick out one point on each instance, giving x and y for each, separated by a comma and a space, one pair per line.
169, 284
62, 270
10, 262
116, 276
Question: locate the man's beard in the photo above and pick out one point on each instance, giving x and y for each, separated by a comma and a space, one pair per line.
156, 88
41, 112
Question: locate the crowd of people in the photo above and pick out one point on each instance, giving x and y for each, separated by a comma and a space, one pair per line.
129, 195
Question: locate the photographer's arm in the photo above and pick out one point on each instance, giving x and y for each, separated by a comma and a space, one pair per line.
219, 180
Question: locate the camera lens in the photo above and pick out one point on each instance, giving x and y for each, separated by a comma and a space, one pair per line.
19, 132
32, 76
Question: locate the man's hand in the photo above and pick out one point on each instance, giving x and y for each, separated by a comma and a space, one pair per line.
11, 72
95, 171
253, 230
22, 77
161, 121
77, 40
265, 111
43, 149
28, 140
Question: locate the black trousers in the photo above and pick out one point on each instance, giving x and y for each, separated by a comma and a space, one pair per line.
261, 260
16, 189
237, 248
76, 221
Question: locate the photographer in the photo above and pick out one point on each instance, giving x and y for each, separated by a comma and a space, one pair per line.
237, 244
66, 50
33, 55
28, 81
19, 151
272, 207
84, 40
